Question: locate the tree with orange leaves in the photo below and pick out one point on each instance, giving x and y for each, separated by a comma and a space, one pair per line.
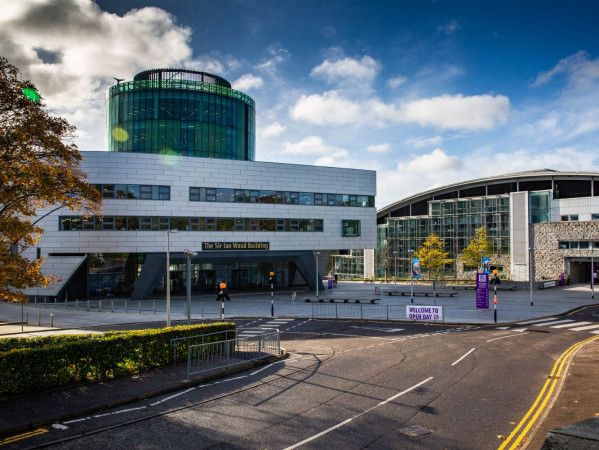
39, 171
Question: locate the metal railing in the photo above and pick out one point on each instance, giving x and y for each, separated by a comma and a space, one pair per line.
360, 311
248, 345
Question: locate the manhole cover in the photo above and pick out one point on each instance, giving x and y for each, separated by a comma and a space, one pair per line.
414, 430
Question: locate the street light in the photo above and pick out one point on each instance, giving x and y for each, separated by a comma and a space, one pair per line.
188, 255
592, 273
316, 254
168, 277
395, 277
530, 250
410, 253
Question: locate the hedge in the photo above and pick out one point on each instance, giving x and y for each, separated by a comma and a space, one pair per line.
38, 364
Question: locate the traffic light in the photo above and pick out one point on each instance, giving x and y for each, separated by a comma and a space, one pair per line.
272, 278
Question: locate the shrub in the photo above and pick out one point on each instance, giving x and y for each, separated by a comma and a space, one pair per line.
41, 363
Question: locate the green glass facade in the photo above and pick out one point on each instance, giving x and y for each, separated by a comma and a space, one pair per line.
454, 221
181, 116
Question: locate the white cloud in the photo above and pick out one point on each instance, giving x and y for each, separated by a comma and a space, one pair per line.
458, 112
272, 130
395, 82
363, 70
449, 28
380, 148
327, 109
425, 142
313, 145
277, 56
71, 50
247, 82
478, 112
577, 66
434, 162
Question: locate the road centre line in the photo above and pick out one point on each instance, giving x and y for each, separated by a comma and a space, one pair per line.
527, 322
467, 353
339, 425
504, 337
171, 397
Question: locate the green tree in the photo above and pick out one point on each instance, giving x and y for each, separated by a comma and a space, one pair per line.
432, 255
39, 171
478, 247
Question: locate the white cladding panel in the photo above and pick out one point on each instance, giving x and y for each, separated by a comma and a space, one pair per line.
180, 173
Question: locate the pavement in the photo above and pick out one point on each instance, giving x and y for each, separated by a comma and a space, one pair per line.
577, 401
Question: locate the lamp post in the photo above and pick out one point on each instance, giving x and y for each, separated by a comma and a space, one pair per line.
168, 277
530, 250
395, 277
188, 255
316, 257
411, 252
592, 273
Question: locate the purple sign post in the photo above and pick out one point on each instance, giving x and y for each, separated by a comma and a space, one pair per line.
482, 291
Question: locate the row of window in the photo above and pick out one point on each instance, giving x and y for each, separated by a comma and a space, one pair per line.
126, 223
574, 217
205, 194
131, 191
583, 245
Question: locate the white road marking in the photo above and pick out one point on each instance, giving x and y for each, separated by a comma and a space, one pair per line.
171, 397
59, 426
552, 323
595, 332
526, 322
386, 330
467, 353
588, 327
502, 328
504, 337
568, 325
339, 425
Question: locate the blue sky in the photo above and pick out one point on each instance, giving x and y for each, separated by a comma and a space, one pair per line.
426, 93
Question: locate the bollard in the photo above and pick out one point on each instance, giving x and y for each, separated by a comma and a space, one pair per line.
100, 306
55, 300
125, 306
45, 302
111, 305
154, 308
76, 304
202, 310
138, 307
39, 319
35, 301
88, 304
51, 320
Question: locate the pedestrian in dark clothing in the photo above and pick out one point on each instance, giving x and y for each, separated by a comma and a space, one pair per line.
568, 279
221, 292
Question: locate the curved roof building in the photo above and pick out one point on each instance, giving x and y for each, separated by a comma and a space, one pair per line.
180, 112
556, 214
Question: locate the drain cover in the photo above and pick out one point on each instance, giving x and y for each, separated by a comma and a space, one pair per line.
414, 430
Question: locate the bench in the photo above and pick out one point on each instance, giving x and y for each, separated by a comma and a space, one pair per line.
344, 300
423, 294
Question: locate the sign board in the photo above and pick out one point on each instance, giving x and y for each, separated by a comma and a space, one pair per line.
424, 313
416, 268
486, 264
548, 284
482, 291
228, 246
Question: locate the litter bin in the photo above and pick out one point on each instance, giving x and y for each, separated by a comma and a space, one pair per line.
293, 296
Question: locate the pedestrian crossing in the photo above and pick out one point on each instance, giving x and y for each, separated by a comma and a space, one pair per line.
566, 324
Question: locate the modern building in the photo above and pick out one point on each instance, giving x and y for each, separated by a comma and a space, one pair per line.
180, 174
540, 223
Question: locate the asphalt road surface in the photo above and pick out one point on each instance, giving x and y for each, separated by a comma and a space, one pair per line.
349, 385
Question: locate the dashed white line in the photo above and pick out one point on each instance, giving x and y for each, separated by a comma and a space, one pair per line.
171, 397
339, 425
504, 337
467, 353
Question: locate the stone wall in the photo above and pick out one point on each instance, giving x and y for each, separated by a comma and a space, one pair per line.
549, 260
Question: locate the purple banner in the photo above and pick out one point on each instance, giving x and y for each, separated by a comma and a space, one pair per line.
482, 291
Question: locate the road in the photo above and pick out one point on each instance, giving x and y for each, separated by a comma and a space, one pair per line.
350, 385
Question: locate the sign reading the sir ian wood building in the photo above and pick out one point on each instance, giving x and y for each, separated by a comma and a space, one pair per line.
210, 246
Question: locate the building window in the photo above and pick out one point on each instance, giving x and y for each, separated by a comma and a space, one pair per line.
134, 191
594, 216
350, 228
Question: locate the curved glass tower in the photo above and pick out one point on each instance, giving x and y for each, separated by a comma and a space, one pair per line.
180, 112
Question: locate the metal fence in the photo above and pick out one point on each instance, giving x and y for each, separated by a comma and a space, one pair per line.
248, 345
361, 311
